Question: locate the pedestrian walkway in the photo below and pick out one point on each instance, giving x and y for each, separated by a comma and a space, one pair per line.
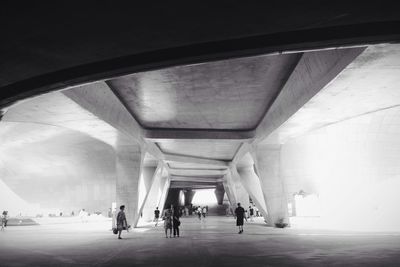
211, 243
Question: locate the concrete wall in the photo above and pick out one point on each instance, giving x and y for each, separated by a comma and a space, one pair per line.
67, 172
354, 168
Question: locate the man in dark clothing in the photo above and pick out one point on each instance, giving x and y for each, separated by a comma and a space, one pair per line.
156, 215
239, 212
175, 221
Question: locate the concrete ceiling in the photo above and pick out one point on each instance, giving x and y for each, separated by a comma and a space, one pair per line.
183, 165
223, 98
370, 83
230, 94
195, 115
197, 85
56, 109
220, 150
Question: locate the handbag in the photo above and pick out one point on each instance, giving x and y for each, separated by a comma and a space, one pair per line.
126, 228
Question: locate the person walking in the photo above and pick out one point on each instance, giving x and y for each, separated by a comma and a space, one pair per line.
156, 215
239, 213
204, 212
175, 221
168, 222
122, 224
199, 212
4, 220
83, 215
251, 210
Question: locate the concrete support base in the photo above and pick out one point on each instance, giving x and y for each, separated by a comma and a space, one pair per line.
251, 183
128, 167
228, 187
268, 167
173, 197
165, 183
189, 194
219, 193
154, 193
241, 194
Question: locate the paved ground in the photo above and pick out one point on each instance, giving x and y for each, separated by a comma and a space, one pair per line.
211, 243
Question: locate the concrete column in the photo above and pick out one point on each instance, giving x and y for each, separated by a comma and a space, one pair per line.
129, 161
219, 193
153, 195
189, 194
267, 160
165, 183
229, 191
240, 192
173, 197
251, 183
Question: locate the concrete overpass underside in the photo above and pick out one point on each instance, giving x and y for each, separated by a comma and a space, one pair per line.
222, 124
294, 107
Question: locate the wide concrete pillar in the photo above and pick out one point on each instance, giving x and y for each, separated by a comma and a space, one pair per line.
189, 194
251, 182
154, 192
219, 193
173, 197
239, 191
129, 162
268, 164
229, 191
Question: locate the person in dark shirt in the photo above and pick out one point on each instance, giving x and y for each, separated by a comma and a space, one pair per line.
156, 215
251, 210
121, 221
239, 212
175, 221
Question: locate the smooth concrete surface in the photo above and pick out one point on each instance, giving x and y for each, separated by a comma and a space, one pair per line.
45, 140
313, 72
368, 84
58, 110
268, 165
352, 167
54, 169
201, 97
153, 195
219, 193
188, 194
221, 99
240, 194
220, 150
228, 187
212, 242
251, 182
99, 100
129, 164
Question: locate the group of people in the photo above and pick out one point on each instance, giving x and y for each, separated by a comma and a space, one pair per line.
172, 221
201, 211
